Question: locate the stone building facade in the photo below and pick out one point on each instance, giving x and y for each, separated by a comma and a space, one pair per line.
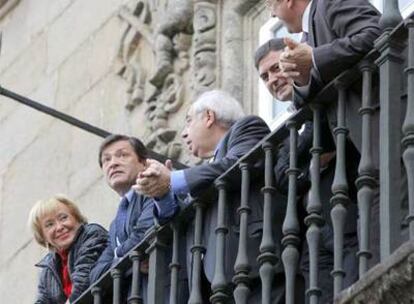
127, 66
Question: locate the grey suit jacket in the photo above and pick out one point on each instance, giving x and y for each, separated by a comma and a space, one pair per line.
240, 138
341, 33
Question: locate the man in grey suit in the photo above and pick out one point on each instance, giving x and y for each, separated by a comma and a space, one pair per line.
267, 62
336, 34
217, 129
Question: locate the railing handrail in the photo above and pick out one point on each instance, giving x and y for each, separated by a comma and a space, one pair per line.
304, 113
76, 122
278, 135
125, 263
348, 76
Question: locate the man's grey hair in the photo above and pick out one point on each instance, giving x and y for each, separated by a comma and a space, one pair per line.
275, 44
226, 108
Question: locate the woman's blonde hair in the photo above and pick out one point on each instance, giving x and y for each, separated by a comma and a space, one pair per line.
44, 207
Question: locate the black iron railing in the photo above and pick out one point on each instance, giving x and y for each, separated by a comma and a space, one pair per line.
74, 121
393, 54
387, 61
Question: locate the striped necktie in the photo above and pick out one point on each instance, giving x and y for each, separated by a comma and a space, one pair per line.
121, 218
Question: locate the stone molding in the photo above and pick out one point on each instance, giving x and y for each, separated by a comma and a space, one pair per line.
241, 22
166, 30
205, 46
195, 46
392, 281
6, 6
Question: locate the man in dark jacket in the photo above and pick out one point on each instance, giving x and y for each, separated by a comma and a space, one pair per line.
327, 172
122, 158
216, 130
267, 62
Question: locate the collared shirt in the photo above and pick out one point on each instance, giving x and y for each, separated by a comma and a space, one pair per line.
178, 183
179, 187
305, 29
305, 18
129, 195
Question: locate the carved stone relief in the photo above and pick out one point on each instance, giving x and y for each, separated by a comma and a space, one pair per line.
136, 33
205, 46
164, 28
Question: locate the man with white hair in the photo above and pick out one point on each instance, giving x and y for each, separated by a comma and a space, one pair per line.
216, 129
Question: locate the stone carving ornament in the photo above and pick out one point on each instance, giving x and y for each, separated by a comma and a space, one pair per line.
205, 37
165, 28
159, 37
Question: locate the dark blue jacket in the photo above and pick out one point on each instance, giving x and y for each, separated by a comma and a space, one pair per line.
140, 218
89, 243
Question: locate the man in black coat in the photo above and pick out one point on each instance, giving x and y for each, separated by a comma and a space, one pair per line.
267, 62
216, 129
336, 35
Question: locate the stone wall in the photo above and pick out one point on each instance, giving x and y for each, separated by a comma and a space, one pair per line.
62, 54
392, 281
125, 66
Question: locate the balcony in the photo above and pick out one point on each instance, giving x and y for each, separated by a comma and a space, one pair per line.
390, 281
388, 70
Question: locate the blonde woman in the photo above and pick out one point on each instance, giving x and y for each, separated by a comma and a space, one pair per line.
73, 244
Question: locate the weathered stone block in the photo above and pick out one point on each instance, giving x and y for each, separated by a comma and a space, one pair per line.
99, 197
7, 106
102, 105
37, 172
75, 25
55, 8
1, 203
91, 62
28, 71
20, 128
84, 170
21, 287
392, 281
26, 76
15, 35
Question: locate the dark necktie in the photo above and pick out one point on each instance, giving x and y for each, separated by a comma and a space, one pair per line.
121, 218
